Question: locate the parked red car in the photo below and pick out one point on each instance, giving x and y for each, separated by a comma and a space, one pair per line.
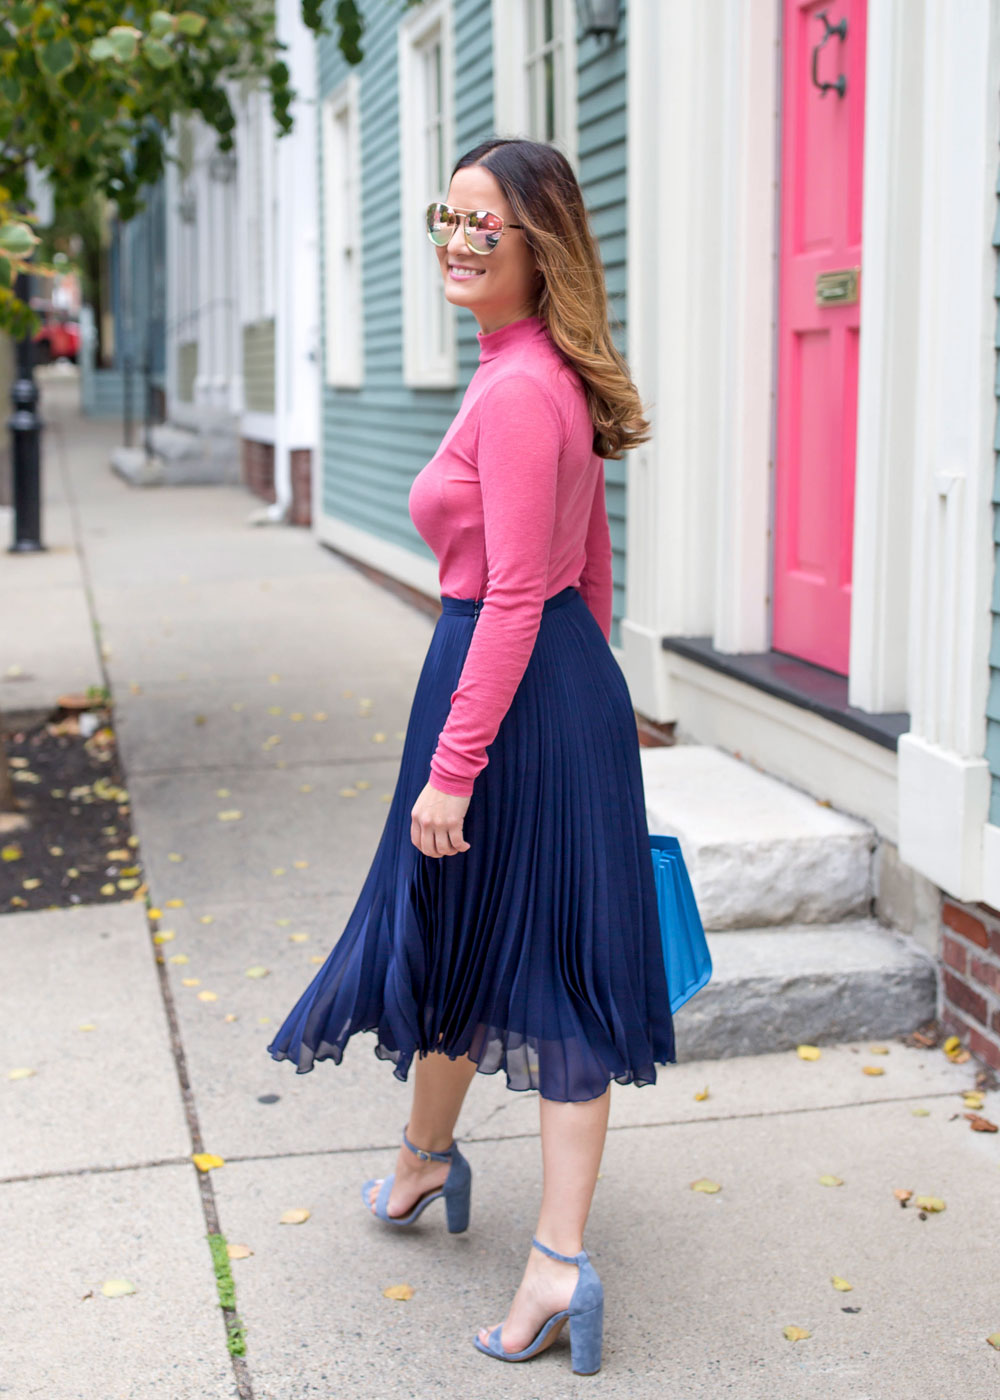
58, 337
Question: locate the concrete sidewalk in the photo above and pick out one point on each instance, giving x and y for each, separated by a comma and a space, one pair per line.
238, 659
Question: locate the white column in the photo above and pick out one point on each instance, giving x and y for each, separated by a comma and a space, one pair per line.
701, 236
748, 52
943, 777
883, 498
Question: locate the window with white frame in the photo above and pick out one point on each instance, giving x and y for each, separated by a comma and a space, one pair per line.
344, 321
534, 88
426, 152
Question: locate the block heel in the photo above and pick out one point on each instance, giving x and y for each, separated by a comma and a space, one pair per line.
586, 1339
456, 1191
585, 1314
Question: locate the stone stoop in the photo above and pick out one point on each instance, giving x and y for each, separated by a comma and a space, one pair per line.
784, 886
182, 457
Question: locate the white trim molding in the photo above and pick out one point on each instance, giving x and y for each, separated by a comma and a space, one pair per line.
344, 346
426, 153
943, 776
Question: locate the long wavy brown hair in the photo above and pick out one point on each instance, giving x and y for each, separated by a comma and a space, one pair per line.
539, 184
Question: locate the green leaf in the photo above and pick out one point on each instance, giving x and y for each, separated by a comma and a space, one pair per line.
157, 53
102, 48
4, 272
58, 57
160, 23
190, 24
17, 239
125, 41
10, 88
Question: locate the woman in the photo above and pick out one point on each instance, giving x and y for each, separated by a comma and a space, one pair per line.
509, 918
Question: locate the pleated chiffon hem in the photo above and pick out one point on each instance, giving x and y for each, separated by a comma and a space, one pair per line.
536, 952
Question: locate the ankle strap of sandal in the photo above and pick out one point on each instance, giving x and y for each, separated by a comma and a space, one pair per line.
429, 1156
566, 1258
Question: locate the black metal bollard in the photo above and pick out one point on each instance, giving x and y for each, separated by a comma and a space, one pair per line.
25, 440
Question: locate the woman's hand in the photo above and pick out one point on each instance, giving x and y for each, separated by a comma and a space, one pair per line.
436, 822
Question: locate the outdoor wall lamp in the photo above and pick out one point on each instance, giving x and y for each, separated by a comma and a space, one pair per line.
599, 17
222, 167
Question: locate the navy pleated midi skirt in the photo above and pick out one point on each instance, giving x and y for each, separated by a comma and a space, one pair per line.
537, 951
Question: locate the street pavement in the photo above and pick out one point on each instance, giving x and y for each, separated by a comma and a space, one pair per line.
238, 659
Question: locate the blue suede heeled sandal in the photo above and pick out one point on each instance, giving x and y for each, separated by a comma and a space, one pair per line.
586, 1320
456, 1191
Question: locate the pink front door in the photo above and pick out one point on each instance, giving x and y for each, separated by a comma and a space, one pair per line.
818, 327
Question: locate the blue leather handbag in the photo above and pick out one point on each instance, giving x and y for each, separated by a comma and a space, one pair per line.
686, 958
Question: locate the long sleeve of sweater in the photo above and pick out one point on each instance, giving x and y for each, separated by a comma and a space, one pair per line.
596, 583
517, 457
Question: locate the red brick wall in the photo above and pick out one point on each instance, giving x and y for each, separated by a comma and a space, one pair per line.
970, 953
258, 477
301, 512
258, 468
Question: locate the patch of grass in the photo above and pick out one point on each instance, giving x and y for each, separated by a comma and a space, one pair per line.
236, 1332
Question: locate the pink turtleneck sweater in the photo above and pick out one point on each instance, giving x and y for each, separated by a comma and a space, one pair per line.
512, 504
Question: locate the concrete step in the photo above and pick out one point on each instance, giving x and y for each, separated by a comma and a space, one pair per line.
772, 989
758, 851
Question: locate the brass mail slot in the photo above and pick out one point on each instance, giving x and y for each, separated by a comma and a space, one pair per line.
837, 288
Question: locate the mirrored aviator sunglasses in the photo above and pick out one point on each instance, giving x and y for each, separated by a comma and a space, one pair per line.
482, 229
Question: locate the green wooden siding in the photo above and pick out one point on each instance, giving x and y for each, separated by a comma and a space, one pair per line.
376, 438
993, 702
258, 366
187, 369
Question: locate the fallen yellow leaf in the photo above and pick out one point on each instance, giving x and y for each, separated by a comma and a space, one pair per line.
179, 958
129, 884
951, 1045
154, 913
808, 1052
831, 1181
231, 815
22, 1072
973, 1098
238, 1251
230, 1016
378, 738
117, 855
207, 919
12, 852
56, 851
348, 792
994, 1340
929, 1203
796, 1334
703, 1184
117, 1287
921, 1112
296, 716
208, 996
175, 904
107, 889
86, 1026
31, 884
702, 1094
317, 958
841, 1284
191, 981
401, 1291
878, 1049
301, 864
296, 1216
298, 938
172, 855
279, 870
205, 1161
872, 1069
258, 971
164, 936
902, 1193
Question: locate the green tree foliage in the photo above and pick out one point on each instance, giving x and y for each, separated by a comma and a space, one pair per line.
89, 88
